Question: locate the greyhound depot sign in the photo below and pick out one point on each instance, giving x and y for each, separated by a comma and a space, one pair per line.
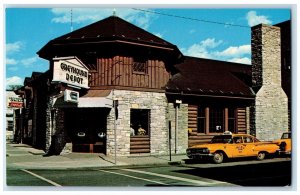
70, 70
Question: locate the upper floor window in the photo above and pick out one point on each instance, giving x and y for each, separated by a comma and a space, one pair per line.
140, 66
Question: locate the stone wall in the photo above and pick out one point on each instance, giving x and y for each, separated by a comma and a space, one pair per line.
182, 130
55, 130
159, 117
271, 103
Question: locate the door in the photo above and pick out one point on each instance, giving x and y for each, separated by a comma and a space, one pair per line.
86, 128
249, 146
237, 148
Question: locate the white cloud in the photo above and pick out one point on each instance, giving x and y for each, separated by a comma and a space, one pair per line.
29, 61
244, 60
12, 68
208, 48
81, 15
15, 80
158, 35
13, 47
210, 43
235, 51
10, 61
201, 50
192, 31
254, 19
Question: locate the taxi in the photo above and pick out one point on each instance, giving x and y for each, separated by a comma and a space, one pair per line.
285, 143
230, 145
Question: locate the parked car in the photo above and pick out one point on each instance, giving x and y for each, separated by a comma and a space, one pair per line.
285, 143
230, 145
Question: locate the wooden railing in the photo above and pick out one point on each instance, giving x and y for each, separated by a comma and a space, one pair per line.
139, 144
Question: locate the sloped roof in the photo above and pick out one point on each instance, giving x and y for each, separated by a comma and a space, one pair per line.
211, 77
114, 26
109, 29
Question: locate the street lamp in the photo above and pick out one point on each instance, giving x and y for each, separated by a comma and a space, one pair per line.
177, 104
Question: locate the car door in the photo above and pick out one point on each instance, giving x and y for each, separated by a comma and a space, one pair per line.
248, 143
237, 148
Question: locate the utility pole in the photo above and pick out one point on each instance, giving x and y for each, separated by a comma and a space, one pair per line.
177, 104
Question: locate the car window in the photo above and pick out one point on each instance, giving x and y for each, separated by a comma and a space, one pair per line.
222, 139
237, 140
248, 139
286, 136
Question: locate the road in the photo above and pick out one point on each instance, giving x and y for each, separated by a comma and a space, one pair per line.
271, 172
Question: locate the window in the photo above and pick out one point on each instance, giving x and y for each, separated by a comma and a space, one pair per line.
248, 139
140, 122
201, 120
216, 120
231, 120
237, 140
140, 66
10, 125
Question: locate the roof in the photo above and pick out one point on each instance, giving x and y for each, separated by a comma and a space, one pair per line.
97, 93
112, 28
211, 77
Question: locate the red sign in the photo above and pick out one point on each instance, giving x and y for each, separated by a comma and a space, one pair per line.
15, 104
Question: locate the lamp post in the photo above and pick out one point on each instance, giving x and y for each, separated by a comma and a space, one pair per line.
177, 104
115, 106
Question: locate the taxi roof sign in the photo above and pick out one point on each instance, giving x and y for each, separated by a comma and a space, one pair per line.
227, 133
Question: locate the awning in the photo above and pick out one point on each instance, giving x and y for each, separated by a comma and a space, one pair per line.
93, 99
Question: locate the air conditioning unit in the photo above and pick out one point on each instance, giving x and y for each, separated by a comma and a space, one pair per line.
71, 96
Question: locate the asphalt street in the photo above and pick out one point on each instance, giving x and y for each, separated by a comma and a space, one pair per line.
26, 168
274, 173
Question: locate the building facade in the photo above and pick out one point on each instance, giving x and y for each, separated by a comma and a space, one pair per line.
13, 102
114, 88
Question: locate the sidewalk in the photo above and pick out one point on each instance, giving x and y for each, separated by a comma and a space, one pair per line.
24, 156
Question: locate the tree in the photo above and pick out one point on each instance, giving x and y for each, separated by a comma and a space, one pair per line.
13, 87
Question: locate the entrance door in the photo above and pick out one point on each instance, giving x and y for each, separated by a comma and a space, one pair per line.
86, 128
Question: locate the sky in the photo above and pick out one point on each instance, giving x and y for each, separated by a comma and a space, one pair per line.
216, 32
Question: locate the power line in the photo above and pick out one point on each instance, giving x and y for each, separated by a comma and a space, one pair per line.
189, 18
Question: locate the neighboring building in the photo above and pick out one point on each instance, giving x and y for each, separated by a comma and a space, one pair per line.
13, 102
218, 95
112, 86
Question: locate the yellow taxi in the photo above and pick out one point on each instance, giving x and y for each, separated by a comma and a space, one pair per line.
230, 145
285, 143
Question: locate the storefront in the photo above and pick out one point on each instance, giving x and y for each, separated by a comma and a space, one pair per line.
124, 91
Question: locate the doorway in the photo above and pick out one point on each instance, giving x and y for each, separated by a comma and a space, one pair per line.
87, 128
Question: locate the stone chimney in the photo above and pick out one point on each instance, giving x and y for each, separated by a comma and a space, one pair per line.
270, 110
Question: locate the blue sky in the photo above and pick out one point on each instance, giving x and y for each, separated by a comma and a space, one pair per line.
28, 29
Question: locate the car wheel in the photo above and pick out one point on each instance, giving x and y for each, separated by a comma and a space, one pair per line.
261, 155
218, 157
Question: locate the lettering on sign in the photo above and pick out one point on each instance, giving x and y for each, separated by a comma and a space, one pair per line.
15, 102
71, 71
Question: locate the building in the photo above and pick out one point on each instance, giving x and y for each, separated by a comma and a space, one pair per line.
114, 88
13, 103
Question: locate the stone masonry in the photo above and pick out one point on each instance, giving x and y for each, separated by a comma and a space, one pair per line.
270, 110
55, 130
182, 129
158, 106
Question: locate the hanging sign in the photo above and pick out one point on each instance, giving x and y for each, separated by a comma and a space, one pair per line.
70, 70
15, 102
